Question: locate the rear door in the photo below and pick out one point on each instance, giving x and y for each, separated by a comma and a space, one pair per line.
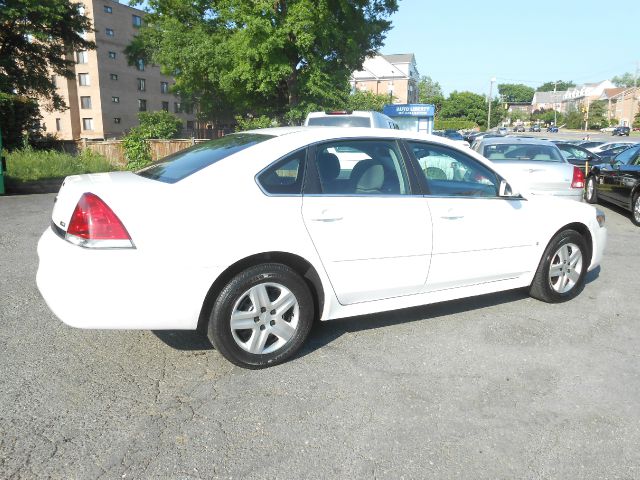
617, 179
372, 233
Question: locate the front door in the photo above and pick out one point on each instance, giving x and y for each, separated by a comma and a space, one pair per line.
372, 235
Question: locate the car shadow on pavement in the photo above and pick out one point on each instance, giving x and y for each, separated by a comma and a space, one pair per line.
324, 333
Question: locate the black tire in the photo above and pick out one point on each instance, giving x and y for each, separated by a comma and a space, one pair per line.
543, 286
635, 210
593, 198
275, 278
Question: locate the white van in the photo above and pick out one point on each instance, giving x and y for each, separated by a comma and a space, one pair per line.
347, 118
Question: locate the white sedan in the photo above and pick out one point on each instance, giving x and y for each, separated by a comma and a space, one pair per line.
254, 236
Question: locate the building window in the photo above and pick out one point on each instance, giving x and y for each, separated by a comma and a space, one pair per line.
141, 85
140, 65
164, 87
165, 106
87, 123
83, 79
115, 99
136, 20
177, 107
190, 124
54, 80
112, 55
108, 9
116, 120
58, 125
109, 32
82, 57
142, 105
188, 108
113, 76
85, 102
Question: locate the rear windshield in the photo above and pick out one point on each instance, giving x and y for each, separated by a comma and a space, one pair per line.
528, 153
181, 164
340, 121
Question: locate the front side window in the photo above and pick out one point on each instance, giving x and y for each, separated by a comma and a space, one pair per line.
449, 172
625, 157
361, 167
285, 176
569, 151
186, 162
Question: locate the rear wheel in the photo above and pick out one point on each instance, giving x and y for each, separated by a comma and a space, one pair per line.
562, 270
635, 209
262, 316
591, 195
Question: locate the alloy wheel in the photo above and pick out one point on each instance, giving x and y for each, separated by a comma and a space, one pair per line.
565, 268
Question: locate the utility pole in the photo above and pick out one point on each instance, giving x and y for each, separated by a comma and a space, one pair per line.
493, 79
555, 113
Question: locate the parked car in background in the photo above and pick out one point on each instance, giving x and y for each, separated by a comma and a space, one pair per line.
518, 128
588, 144
608, 145
348, 118
576, 155
607, 129
535, 128
607, 155
621, 131
537, 165
617, 182
552, 129
420, 220
455, 135
502, 130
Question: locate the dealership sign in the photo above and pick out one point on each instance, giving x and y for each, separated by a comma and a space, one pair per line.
409, 110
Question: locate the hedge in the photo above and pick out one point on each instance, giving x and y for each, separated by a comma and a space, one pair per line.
453, 124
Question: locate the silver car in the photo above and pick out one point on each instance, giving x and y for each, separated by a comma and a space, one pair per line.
536, 165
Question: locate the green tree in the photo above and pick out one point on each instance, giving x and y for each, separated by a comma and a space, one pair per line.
267, 57
636, 121
360, 100
598, 114
430, 91
465, 105
17, 115
515, 92
625, 80
560, 86
36, 40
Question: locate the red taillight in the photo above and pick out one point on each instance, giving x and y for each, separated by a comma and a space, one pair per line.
578, 178
92, 219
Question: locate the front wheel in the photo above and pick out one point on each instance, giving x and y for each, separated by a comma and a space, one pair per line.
635, 210
262, 316
591, 195
562, 269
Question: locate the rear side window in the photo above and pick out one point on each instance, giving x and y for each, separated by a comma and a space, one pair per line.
285, 176
186, 162
340, 121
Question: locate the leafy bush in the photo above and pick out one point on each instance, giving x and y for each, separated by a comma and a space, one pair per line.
158, 125
27, 164
453, 124
17, 116
252, 123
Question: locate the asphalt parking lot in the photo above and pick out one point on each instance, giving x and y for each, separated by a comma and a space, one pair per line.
500, 386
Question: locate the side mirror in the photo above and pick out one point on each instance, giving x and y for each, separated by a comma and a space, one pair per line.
589, 157
505, 190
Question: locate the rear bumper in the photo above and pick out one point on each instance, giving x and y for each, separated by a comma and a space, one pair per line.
118, 289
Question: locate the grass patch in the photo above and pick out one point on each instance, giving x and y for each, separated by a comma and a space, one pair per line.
28, 165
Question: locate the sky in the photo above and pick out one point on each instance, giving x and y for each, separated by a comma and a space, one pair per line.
463, 44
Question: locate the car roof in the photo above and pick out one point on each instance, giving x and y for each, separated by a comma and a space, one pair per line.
317, 133
515, 141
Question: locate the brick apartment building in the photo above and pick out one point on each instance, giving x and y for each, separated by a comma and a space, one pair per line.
106, 94
393, 75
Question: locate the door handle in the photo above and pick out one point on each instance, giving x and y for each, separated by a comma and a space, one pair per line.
452, 215
327, 216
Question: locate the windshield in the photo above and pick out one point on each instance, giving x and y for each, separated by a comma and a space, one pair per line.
531, 152
339, 121
186, 162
